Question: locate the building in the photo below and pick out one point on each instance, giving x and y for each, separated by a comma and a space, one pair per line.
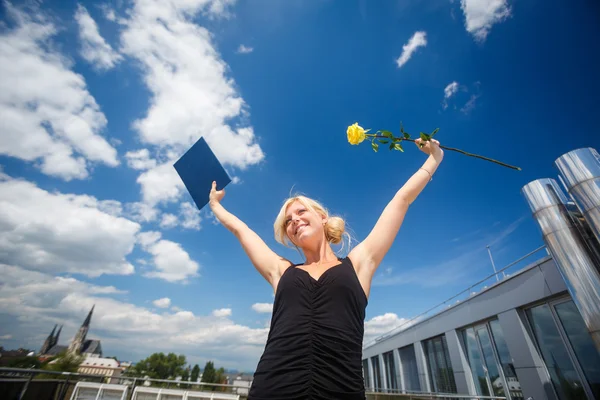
533, 334
108, 367
79, 345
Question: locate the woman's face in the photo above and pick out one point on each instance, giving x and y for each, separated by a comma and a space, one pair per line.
302, 224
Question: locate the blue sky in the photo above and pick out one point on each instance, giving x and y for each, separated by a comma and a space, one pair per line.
99, 99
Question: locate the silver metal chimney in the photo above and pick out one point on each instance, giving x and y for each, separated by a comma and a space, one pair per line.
580, 170
568, 249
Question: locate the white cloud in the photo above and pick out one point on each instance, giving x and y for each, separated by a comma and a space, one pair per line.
57, 232
263, 308
191, 94
470, 104
244, 49
165, 302
190, 216
417, 40
140, 159
169, 221
480, 15
37, 301
222, 312
160, 184
141, 212
49, 117
94, 48
6, 337
171, 262
382, 324
449, 91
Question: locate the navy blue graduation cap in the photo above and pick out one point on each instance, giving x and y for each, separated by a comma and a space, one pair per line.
198, 168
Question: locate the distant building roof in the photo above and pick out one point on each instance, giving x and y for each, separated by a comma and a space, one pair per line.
100, 362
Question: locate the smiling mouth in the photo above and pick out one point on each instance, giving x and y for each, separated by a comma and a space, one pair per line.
298, 228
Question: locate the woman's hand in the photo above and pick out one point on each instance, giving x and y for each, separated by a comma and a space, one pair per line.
431, 148
215, 195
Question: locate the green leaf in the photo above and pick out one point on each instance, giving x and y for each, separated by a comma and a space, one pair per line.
384, 141
392, 146
434, 132
402, 127
398, 147
406, 135
425, 137
375, 146
387, 134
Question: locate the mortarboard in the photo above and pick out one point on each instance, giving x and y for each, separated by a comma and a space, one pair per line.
198, 168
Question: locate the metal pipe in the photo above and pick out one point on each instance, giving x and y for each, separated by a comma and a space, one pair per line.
569, 250
580, 170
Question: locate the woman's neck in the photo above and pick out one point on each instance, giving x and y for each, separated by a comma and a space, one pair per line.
321, 255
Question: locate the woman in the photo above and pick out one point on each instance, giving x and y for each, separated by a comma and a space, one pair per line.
314, 348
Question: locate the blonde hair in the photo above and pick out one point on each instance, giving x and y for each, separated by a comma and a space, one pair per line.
335, 227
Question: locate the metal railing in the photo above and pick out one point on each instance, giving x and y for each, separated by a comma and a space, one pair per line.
37, 384
474, 289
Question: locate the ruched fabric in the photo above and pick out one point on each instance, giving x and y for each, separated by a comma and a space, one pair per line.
314, 347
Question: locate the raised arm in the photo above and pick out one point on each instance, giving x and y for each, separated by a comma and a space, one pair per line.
265, 260
367, 255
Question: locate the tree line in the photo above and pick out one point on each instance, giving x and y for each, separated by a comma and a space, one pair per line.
170, 366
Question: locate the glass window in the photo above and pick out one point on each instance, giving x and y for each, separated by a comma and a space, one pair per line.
582, 343
376, 373
390, 370
441, 375
366, 373
410, 373
490, 361
475, 361
555, 355
510, 375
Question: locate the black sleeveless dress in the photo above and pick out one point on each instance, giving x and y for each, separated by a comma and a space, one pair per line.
314, 347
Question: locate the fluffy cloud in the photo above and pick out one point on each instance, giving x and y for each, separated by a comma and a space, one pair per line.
94, 48
165, 302
480, 15
263, 308
417, 40
222, 312
140, 159
449, 91
191, 94
171, 262
37, 301
49, 117
57, 232
169, 221
141, 212
244, 49
190, 216
382, 324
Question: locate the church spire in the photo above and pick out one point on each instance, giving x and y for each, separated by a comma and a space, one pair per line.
49, 342
87, 321
55, 341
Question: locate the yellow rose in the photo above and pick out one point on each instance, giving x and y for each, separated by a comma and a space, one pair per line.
356, 133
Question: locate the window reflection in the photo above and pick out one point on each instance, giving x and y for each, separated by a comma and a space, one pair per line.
514, 387
376, 373
390, 370
582, 343
441, 375
410, 373
555, 355
366, 373
476, 363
